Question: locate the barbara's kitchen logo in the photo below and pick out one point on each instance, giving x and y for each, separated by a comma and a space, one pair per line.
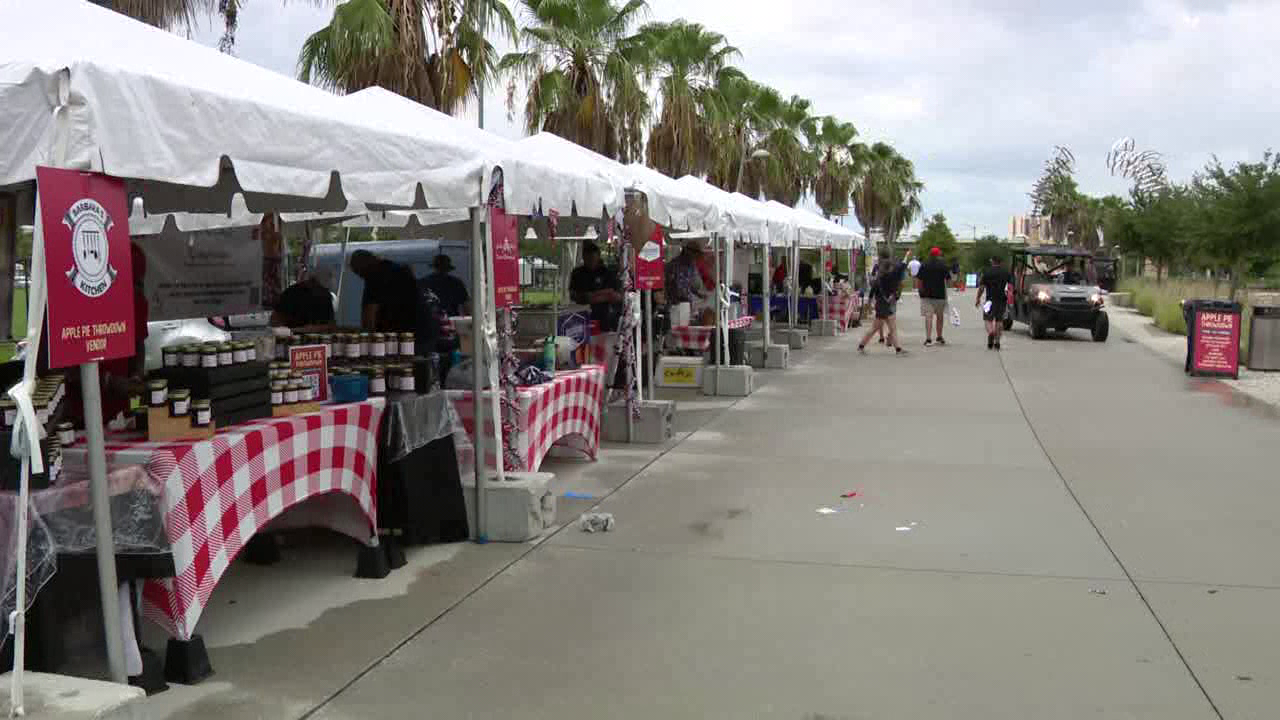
92, 273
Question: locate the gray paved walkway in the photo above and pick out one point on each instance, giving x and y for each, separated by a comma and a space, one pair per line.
1062, 530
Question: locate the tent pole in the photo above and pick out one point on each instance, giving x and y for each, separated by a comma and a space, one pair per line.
97, 456
715, 251
648, 330
342, 267
477, 369
766, 302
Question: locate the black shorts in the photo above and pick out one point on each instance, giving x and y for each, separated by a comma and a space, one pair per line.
885, 309
996, 312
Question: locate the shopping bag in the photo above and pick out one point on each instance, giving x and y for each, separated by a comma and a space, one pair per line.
955, 316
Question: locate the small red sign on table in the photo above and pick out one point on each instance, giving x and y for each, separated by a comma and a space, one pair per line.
1216, 344
312, 362
506, 259
88, 266
649, 263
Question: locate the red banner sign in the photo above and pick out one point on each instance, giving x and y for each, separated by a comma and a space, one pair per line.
506, 258
1216, 348
649, 263
89, 267
312, 363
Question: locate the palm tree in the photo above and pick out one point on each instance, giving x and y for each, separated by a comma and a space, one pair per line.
790, 167
740, 117
583, 66
165, 14
886, 193
692, 60
435, 52
830, 141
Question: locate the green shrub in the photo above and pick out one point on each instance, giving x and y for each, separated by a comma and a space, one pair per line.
1168, 317
1145, 301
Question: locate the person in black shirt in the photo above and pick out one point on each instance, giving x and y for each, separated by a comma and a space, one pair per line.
390, 300
306, 304
598, 286
450, 290
885, 292
931, 281
993, 284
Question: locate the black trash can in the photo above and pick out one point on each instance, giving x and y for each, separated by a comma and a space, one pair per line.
1213, 327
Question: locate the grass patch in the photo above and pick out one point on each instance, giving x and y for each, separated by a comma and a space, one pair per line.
20, 313
1163, 303
538, 297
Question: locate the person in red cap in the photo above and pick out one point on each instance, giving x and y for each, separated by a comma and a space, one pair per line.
931, 282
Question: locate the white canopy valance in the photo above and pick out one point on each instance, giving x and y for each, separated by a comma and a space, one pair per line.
197, 126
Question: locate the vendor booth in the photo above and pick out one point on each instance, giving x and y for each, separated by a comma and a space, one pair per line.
136, 112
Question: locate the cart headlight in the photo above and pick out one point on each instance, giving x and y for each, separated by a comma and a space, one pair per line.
1042, 296
1096, 298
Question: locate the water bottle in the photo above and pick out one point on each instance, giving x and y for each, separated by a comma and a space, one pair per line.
549, 354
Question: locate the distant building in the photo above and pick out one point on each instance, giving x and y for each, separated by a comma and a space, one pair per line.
1028, 229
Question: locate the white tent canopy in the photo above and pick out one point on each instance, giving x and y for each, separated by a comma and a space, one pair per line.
141, 103
551, 151
673, 204
533, 179
736, 216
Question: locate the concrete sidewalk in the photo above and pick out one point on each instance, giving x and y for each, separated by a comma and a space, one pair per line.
1064, 529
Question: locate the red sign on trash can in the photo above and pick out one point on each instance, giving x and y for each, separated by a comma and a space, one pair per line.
88, 266
649, 263
506, 259
1216, 343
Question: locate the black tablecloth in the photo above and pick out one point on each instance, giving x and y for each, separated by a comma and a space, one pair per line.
420, 491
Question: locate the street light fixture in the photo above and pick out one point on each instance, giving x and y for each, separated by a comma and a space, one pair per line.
757, 154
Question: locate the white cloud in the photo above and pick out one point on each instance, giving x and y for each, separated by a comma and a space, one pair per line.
976, 92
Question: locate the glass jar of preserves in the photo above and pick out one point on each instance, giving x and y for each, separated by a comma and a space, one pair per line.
172, 356
378, 345
239, 353
157, 393
190, 356
226, 355
209, 357
291, 393
277, 392
408, 381
201, 414
179, 403
407, 345
355, 350
377, 381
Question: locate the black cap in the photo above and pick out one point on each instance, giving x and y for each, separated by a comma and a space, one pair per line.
589, 247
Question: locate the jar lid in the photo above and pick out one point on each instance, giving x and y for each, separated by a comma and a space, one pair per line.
158, 384
209, 350
180, 394
200, 404
278, 385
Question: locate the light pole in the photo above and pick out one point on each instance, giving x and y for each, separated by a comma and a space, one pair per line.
756, 155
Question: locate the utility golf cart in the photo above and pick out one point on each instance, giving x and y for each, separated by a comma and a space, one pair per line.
1055, 288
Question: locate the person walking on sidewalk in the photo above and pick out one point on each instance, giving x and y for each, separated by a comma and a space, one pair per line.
931, 282
993, 283
885, 293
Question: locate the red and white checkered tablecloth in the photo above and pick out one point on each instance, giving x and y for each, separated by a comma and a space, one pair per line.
839, 307
564, 413
698, 337
219, 492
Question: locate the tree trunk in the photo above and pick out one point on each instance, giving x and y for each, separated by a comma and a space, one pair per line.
1236, 275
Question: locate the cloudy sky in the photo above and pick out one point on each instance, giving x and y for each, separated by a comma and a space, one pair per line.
976, 92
